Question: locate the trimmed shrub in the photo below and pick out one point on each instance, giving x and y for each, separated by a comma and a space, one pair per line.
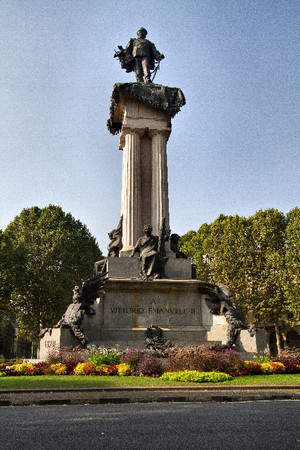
203, 359
59, 369
85, 369
132, 357
290, 367
102, 355
194, 376
66, 354
273, 368
149, 365
124, 369
253, 368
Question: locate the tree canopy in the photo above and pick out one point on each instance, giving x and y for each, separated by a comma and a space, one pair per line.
258, 258
44, 253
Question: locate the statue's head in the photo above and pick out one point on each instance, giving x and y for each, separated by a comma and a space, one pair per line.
76, 294
147, 229
175, 238
142, 32
111, 234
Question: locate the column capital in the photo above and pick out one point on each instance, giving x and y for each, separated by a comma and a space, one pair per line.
164, 132
127, 130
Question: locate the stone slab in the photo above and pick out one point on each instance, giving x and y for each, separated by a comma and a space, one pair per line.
178, 269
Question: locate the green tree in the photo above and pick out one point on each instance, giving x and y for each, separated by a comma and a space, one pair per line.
268, 268
257, 258
7, 321
192, 244
46, 252
228, 251
292, 281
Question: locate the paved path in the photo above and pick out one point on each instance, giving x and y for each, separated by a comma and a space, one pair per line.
202, 393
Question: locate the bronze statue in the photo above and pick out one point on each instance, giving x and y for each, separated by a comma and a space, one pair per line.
113, 248
174, 246
139, 56
224, 305
152, 259
115, 244
155, 341
82, 300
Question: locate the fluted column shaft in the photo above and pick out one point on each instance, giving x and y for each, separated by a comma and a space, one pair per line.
131, 191
159, 196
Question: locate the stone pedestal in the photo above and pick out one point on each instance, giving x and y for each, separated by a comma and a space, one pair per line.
54, 339
178, 269
128, 306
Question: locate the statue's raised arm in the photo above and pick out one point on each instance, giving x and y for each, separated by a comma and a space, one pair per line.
139, 56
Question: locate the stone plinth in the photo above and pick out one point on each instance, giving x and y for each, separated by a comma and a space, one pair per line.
54, 339
129, 306
180, 269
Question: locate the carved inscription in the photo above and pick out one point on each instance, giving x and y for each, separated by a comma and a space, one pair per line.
152, 310
49, 344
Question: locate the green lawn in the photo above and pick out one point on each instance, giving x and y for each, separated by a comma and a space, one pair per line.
70, 381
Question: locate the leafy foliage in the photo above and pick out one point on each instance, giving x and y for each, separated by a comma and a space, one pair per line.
292, 281
203, 359
149, 365
257, 258
86, 368
193, 376
132, 357
142, 363
44, 253
102, 355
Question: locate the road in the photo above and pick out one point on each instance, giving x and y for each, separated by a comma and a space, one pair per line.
174, 426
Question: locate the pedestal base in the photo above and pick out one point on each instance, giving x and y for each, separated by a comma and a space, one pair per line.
54, 339
128, 306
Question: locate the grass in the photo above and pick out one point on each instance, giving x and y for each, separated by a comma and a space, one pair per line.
69, 381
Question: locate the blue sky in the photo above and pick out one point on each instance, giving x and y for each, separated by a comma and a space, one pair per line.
234, 148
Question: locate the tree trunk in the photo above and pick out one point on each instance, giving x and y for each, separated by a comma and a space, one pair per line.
278, 339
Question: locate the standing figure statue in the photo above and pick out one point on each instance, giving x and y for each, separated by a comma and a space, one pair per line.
115, 244
113, 248
139, 56
152, 261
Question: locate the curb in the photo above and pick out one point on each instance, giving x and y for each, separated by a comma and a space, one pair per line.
85, 396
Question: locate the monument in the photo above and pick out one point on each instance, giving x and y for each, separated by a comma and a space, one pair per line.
143, 294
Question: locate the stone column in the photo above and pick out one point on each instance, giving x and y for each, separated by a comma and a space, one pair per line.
131, 189
159, 194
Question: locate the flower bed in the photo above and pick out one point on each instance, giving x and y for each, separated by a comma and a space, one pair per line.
188, 364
